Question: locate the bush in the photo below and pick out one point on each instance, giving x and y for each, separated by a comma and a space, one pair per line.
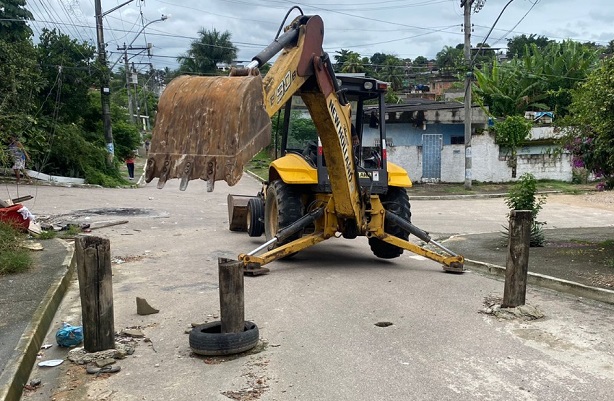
13, 258
522, 196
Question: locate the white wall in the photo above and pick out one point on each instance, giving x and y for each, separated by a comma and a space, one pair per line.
488, 164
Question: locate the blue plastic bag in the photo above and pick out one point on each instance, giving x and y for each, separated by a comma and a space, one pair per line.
69, 336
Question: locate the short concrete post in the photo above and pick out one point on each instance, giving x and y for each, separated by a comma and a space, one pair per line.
232, 305
517, 264
93, 255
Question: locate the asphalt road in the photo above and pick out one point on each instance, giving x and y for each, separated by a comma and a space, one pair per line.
317, 312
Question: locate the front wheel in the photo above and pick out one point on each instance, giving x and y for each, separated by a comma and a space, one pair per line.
396, 200
283, 207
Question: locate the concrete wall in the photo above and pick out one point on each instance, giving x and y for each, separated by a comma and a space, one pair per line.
489, 163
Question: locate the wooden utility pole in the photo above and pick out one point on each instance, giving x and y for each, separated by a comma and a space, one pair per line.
105, 91
517, 263
93, 255
468, 75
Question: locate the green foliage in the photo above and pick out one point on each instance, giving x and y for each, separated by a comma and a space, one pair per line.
391, 70
450, 59
420, 61
512, 132
13, 258
523, 196
517, 45
13, 26
353, 63
69, 84
210, 48
340, 58
541, 80
590, 125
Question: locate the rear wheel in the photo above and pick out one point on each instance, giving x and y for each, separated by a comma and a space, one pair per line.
397, 201
283, 207
255, 216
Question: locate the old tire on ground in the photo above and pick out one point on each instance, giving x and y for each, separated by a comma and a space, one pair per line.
255, 217
397, 201
283, 207
208, 339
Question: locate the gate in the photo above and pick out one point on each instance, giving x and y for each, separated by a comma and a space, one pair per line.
431, 157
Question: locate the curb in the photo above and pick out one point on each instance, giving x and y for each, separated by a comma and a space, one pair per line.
17, 372
552, 283
470, 196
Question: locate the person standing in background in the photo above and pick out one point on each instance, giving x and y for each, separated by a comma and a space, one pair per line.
130, 165
20, 156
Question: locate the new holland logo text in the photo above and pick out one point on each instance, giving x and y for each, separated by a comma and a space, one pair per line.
342, 133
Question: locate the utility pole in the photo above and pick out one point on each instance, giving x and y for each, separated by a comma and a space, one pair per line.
126, 66
468, 75
105, 91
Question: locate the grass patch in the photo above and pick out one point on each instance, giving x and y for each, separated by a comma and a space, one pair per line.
259, 165
47, 235
13, 258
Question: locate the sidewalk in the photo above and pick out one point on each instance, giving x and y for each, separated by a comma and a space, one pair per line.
28, 302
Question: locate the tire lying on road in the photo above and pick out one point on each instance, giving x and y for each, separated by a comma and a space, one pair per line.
208, 339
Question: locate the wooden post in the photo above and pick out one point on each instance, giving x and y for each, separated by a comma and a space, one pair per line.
517, 264
232, 311
96, 289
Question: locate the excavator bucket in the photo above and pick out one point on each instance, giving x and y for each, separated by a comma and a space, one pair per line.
208, 128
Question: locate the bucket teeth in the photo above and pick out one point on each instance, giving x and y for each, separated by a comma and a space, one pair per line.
185, 177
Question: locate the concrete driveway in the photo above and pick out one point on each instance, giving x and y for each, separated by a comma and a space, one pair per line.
317, 312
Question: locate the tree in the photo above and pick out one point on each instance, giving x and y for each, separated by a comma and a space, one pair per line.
67, 67
541, 80
392, 70
13, 17
517, 45
353, 64
210, 48
510, 134
450, 59
590, 124
484, 56
377, 61
420, 61
340, 58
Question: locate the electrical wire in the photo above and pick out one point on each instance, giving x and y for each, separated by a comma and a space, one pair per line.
518, 23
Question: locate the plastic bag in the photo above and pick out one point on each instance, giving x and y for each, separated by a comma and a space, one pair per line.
69, 336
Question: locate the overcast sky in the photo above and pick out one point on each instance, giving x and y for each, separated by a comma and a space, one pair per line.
405, 28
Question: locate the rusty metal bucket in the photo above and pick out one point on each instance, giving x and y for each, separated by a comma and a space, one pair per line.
208, 128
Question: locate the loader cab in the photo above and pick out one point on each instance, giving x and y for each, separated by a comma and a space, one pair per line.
300, 137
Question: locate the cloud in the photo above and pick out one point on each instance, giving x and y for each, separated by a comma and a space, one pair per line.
407, 28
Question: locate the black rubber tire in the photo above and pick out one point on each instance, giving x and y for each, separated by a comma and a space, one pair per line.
397, 201
255, 217
208, 339
282, 207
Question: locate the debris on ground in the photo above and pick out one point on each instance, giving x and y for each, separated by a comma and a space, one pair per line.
134, 333
81, 357
143, 307
492, 306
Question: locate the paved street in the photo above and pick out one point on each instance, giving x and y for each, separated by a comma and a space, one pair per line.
317, 312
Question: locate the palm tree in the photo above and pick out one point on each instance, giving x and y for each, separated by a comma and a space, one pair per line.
353, 64
211, 48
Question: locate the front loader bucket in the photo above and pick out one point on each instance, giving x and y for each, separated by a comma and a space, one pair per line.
208, 128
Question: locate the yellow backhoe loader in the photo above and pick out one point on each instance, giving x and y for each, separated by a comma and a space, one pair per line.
333, 177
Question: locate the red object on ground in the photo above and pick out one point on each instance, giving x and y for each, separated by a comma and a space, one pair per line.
11, 216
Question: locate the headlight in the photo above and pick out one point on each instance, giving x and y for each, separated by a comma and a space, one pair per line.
368, 85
